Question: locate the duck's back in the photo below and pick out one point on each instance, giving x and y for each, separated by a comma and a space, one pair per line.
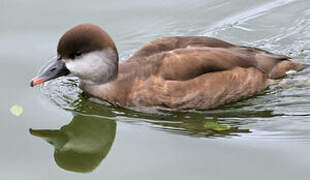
196, 73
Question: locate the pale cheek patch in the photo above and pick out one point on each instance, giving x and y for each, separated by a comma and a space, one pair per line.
82, 67
93, 66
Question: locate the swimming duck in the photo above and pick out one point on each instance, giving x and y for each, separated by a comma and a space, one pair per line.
176, 73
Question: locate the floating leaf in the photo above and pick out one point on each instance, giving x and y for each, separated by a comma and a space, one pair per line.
216, 126
16, 110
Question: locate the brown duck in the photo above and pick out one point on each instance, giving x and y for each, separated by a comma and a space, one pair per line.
176, 73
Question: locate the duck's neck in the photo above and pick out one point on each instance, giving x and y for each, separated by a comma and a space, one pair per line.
104, 91
104, 65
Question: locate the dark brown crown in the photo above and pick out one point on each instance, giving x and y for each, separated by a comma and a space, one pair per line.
82, 39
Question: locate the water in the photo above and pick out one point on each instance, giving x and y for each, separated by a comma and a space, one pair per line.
264, 137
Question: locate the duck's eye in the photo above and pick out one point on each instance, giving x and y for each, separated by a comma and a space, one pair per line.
79, 53
74, 55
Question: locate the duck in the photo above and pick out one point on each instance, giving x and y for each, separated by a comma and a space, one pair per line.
174, 73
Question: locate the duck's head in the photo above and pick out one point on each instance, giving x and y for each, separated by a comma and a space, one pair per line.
85, 51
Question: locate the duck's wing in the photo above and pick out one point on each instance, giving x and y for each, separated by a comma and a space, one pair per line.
178, 42
197, 75
202, 77
187, 57
206, 91
188, 63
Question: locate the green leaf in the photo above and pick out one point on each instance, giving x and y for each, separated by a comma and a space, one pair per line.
16, 110
216, 126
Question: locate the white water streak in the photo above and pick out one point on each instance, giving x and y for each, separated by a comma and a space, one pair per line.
242, 17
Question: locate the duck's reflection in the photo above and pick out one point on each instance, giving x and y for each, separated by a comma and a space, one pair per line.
81, 145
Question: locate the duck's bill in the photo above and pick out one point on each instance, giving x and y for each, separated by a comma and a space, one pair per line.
41, 133
55, 70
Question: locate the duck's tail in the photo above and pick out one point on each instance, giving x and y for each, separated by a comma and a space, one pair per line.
282, 68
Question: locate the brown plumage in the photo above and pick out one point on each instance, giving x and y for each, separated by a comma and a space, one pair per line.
193, 73
181, 72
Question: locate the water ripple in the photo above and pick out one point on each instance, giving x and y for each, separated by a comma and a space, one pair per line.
240, 18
